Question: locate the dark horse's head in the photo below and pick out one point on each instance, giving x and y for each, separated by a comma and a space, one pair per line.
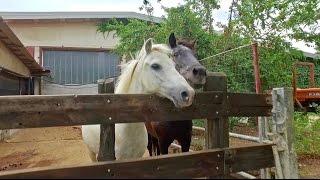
186, 62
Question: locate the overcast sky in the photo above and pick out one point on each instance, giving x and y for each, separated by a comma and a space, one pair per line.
112, 5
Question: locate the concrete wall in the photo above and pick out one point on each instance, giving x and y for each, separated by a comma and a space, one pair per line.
10, 61
52, 89
62, 34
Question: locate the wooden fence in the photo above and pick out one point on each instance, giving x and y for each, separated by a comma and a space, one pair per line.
214, 104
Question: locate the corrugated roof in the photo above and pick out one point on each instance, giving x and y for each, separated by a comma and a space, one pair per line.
11, 41
41, 16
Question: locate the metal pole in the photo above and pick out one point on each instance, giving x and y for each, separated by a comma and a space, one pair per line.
256, 67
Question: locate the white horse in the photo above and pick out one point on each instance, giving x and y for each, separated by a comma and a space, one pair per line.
152, 72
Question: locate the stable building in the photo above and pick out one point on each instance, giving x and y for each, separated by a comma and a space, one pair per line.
19, 71
69, 45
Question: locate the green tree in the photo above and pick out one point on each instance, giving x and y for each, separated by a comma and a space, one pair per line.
272, 21
248, 20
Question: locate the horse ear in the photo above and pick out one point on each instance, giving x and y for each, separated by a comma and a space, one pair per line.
172, 41
148, 46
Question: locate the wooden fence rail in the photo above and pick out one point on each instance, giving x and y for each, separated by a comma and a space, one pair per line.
186, 165
66, 110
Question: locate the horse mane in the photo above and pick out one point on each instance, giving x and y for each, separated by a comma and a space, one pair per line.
123, 82
188, 43
128, 69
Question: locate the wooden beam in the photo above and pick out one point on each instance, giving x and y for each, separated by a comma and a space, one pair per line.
249, 158
182, 165
68, 110
283, 133
107, 131
217, 128
245, 100
13, 43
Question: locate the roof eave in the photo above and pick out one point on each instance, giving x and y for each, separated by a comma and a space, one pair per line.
10, 40
85, 16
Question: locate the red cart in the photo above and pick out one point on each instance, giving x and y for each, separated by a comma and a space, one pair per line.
307, 99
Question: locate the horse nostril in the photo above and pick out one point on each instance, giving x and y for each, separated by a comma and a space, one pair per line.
200, 71
195, 71
185, 95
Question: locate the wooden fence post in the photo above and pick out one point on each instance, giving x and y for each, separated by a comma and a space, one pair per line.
217, 130
283, 132
107, 131
263, 135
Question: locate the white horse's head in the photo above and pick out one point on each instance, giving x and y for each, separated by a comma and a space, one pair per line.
161, 76
155, 70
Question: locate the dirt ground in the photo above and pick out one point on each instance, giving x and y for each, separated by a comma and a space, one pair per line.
42, 147
60, 146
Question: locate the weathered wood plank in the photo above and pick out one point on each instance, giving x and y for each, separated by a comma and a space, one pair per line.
244, 99
249, 158
67, 110
107, 131
196, 164
248, 111
183, 165
217, 129
283, 133
249, 105
58, 103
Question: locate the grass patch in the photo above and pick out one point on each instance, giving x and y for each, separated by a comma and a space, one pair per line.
307, 133
198, 122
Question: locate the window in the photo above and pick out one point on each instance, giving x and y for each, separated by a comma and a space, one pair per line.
80, 67
10, 85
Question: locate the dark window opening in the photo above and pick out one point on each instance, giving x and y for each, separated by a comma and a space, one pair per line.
12, 85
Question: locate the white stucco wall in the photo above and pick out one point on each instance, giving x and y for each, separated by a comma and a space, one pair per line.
62, 34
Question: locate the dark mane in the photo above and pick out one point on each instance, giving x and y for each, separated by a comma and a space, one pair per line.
187, 42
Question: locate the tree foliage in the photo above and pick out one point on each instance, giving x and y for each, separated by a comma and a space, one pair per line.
269, 22
273, 20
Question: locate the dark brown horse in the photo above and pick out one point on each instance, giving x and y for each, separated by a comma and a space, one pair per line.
162, 134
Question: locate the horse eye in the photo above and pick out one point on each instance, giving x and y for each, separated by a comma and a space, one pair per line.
175, 54
155, 66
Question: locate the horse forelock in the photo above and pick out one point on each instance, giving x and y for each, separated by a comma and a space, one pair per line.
162, 48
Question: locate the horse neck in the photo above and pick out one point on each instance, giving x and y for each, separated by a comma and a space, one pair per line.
130, 81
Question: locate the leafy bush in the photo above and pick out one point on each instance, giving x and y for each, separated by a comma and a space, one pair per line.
307, 134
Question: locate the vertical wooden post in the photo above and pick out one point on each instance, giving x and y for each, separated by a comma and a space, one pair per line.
263, 131
283, 132
217, 130
107, 131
